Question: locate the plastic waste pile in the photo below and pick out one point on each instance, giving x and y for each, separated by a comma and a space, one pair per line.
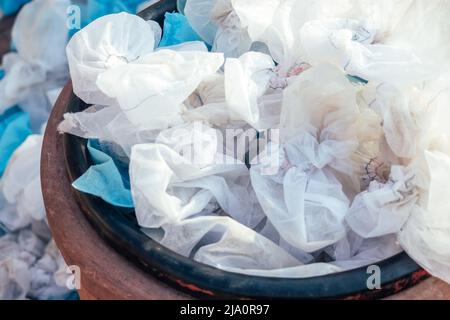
32, 76
349, 159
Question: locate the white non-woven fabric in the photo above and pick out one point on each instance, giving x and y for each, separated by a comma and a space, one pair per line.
27, 268
152, 89
198, 13
106, 43
187, 172
39, 35
277, 23
429, 42
300, 196
20, 185
218, 24
246, 82
370, 252
348, 44
385, 207
413, 115
367, 38
425, 236
108, 124
28, 257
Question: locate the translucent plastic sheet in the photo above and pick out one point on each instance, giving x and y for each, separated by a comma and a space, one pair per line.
105, 44
198, 15
28, 259
151, 92
219, 26
384, 207
186, 178
347, 44
246, 81
425, 235
39, 36
108, 124
20, 185
27, 266
380, 44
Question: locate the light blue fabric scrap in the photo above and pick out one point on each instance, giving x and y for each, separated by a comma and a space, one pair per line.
94, 9
14, 129
177, 30
105, 179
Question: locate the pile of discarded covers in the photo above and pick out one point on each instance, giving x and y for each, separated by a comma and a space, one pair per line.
343, 106
32, 75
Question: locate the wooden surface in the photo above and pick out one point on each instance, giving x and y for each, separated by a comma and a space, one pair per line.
431, 289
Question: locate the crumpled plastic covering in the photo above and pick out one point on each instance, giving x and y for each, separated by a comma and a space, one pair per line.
359, 169
198, 14
295, 184
206, 208
385, 206
246, 81
194, 177
39, 65
20, 185
107, 124
27, 266
104, 45
156, 102
425, 234
34, 76
28, 257
348, 44
31, 266
219, 26
293, 33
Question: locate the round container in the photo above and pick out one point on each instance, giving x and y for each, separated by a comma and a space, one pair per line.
120, 230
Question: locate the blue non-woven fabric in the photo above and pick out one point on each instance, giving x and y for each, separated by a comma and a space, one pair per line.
99, 8
94, 9
14, 129
177, 30
105, 179
9, 7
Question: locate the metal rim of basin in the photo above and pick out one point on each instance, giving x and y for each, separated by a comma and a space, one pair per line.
119, 228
